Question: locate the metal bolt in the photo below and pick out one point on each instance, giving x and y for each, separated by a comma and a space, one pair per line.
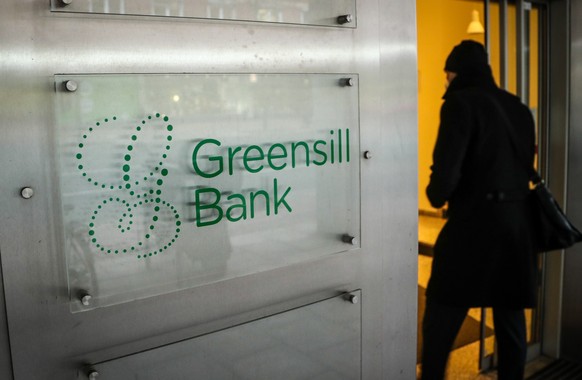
367, 155
353, 298
66, 2
93, 375
350, 239
71, 85
26, 192
347, 82
344, 19
86, 299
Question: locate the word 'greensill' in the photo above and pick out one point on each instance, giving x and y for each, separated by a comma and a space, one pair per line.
277, 156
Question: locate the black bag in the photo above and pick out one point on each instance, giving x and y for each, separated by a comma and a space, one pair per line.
554, 230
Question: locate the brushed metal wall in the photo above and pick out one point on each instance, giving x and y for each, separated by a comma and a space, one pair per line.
571, 334
38, 333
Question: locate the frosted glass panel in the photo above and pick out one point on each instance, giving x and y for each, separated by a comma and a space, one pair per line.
318, 341
309, 12
172, 181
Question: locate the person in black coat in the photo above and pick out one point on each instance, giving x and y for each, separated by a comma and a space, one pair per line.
484, 255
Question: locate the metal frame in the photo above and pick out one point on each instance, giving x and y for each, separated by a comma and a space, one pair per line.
46, 340
571, 328
556, 175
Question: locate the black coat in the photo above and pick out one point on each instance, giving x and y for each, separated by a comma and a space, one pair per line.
484, 254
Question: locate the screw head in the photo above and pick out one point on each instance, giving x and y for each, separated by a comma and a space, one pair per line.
344, 19
353, 299
350, 239
26, 192
367, 155
66, 2
71, 85
347, 82
93, 375
86, 299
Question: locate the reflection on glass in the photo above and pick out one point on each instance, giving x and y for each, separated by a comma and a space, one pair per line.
534, 67
171, 181
309, 12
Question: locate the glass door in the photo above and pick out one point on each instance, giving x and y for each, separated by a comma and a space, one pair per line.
517, 39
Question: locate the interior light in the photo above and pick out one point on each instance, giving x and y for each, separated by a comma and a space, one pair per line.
176, 98
475, 27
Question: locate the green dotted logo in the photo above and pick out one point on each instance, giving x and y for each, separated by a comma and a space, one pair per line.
134, 218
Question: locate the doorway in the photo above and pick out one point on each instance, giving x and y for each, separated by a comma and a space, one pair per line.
515, 33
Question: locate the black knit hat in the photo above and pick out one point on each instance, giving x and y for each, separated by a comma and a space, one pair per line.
468, 58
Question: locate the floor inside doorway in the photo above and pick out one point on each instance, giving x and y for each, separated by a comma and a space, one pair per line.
464, 359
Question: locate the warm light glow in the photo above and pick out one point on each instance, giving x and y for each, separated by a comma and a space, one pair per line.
176, 98
475, 27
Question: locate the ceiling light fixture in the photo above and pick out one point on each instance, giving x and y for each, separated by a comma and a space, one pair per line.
475, 27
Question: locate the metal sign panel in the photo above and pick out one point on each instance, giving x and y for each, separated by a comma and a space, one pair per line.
173, 181
317, 341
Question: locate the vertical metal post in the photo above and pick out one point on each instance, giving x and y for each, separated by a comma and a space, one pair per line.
542, 144
519, 59
544, 93
487, 31
503, 44
522, 48
486, 360
482, 336
526, 52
